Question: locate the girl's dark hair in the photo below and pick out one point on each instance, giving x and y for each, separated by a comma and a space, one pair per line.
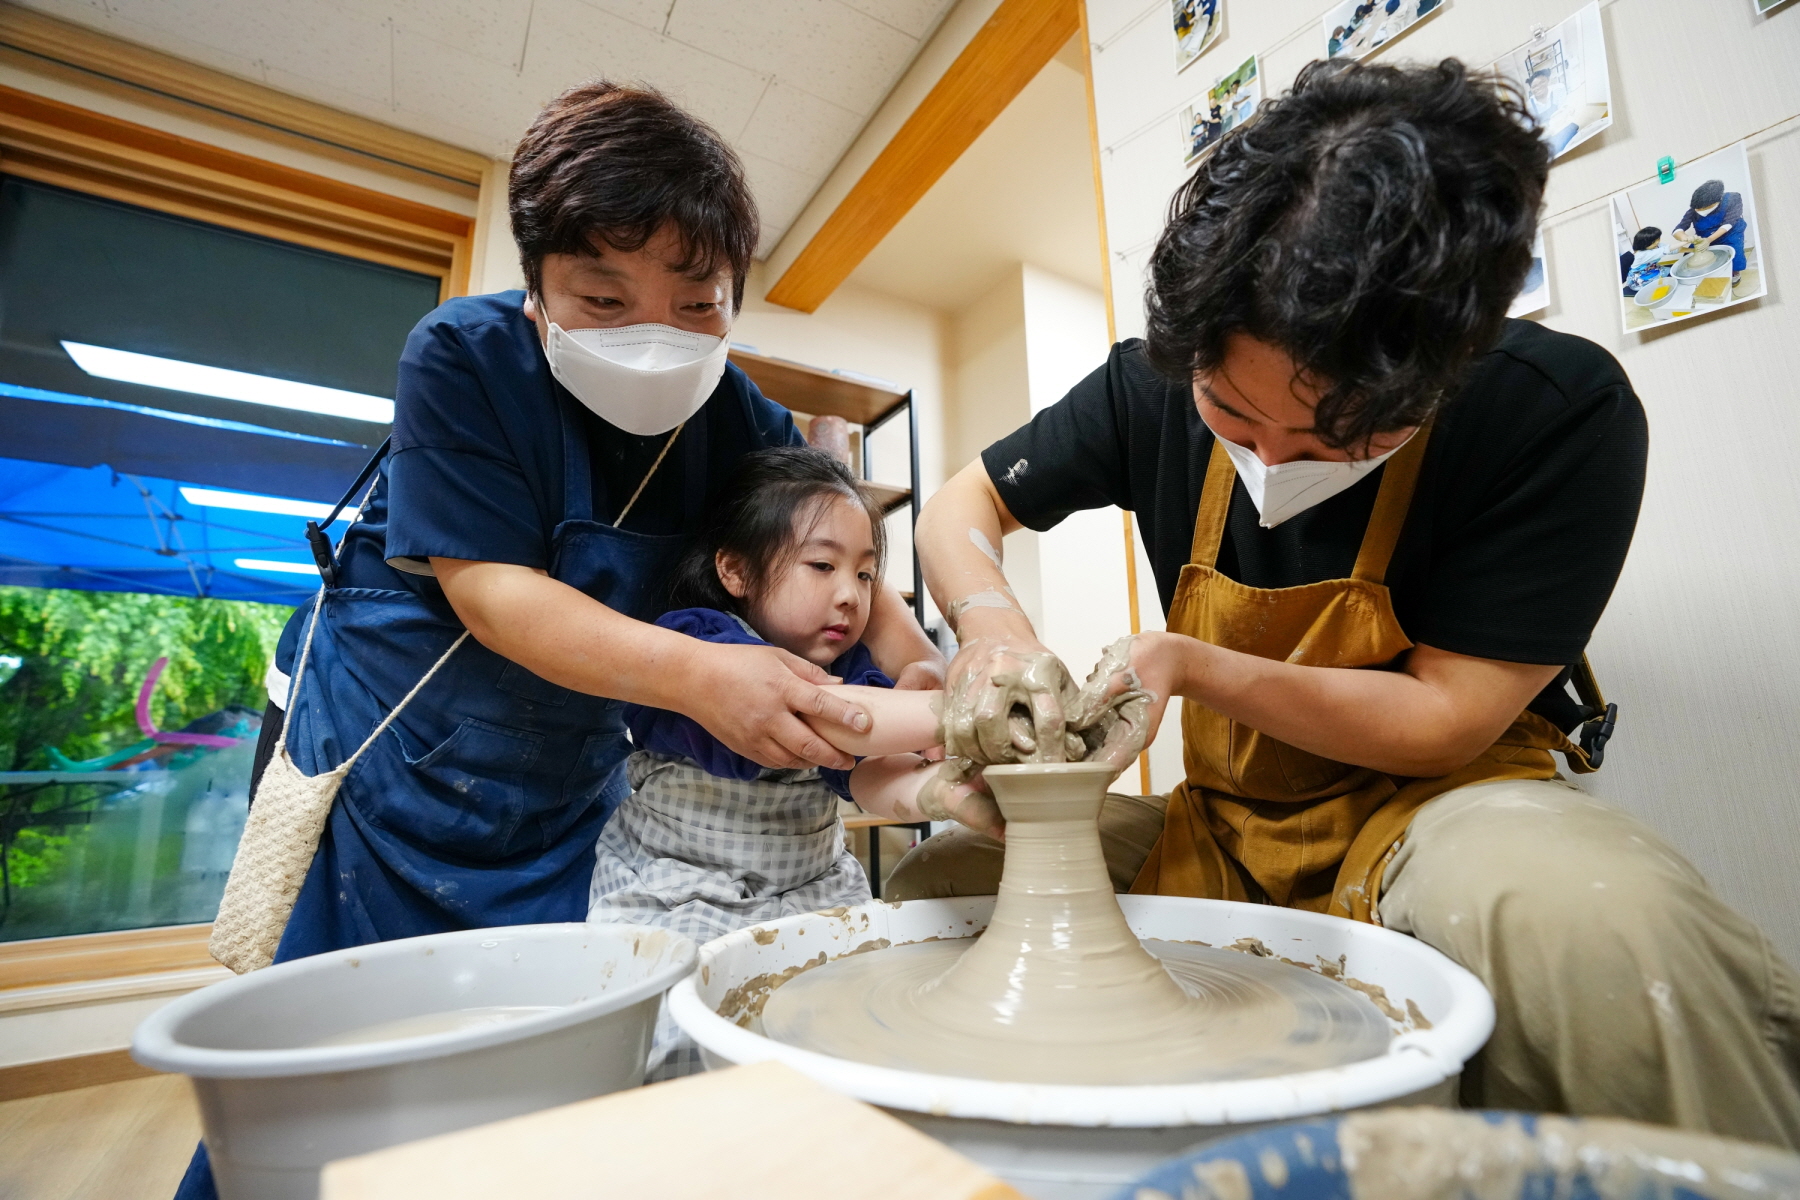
1707, 194
620, 163
1646, 237
1374, 223
757, 519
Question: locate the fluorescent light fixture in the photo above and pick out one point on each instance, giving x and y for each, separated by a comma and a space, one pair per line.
278, 568
249, 502
30, 393
151, 371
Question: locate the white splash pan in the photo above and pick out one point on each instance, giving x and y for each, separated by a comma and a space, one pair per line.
276, 1107
1082, 1141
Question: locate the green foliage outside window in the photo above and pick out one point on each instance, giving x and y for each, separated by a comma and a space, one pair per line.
71, 664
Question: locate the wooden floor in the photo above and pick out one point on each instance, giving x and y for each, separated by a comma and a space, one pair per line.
118, 1141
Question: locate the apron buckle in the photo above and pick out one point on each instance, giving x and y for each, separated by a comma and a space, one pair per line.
1597, 716
321, 552
1596, 733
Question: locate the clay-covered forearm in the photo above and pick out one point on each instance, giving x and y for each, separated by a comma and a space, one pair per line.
958, 537
1429, 719
566, 636
898, 721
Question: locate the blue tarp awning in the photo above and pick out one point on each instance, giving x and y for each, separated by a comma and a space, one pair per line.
90, 498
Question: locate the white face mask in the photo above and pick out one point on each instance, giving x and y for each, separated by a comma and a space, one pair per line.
1289, 489
644, 379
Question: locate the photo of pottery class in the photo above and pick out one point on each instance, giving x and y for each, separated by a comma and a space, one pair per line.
1534, 293
778, 600
1691, 246
1229, 103
1562, 73
1198, 24
1356, 29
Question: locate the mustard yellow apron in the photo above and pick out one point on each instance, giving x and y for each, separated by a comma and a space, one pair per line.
1258, 819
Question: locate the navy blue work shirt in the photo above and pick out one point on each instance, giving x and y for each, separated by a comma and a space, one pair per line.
476, 468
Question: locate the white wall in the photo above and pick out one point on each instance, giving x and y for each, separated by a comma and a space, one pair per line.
493, 255
1081, 563
988, 373
872, 334
1700, 647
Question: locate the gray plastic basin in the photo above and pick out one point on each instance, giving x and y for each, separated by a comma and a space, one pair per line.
276, 1106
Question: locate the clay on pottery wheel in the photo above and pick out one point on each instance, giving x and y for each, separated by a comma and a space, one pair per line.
1059, 990
1699, 261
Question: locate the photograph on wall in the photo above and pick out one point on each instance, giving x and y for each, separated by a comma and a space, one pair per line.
1226, 105
1198, 24
1358, 28
1535, 295
1689, 247
1763, 6
1562, 74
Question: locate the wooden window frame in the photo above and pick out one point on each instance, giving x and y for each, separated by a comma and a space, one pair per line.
51, 142
48, 141
87, 957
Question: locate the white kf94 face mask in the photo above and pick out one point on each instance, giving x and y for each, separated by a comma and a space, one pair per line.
644, 379
1289, 489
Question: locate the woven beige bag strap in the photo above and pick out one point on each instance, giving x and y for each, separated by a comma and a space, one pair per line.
282, 835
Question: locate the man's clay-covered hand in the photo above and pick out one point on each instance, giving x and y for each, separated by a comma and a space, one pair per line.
1116, 711
1006, 702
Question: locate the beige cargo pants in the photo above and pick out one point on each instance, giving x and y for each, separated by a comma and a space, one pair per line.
1623, 986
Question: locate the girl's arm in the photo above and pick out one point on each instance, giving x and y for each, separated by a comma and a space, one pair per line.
898, 721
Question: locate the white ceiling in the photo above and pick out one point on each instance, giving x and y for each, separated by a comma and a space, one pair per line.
787, 82
1023, 193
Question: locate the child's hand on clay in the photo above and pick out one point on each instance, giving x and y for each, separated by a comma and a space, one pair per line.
957, 791
911, 787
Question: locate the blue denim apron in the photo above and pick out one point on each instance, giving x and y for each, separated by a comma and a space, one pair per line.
1709, 224
482, 803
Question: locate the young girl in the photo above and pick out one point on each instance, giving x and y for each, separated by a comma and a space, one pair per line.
710, 841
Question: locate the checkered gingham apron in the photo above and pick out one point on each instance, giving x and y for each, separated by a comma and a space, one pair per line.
704, 856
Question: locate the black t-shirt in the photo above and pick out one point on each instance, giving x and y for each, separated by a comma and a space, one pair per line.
1525, 505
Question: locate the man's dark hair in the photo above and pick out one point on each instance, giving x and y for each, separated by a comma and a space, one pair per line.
618, 164
762, 514
1708, 194
1646, 237
1374, 223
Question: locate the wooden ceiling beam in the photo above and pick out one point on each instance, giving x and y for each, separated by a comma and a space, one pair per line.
1005, 54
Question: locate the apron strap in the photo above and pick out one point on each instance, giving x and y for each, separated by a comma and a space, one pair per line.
1215, 503
404, 701
1399, 479
645, 482
305, 648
